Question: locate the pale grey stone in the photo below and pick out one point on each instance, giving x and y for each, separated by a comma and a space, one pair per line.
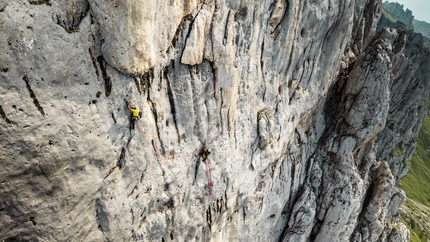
308, 167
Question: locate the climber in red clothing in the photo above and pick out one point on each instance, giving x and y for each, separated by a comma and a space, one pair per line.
204, 153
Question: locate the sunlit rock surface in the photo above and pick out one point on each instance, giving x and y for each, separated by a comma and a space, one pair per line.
292, 97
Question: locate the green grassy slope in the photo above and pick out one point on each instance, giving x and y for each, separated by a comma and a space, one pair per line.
416, 184
389, 16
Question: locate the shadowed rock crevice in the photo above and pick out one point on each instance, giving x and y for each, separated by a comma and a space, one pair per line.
171, 101
32, 95
40, 2
107, 80
102, 218
69, 13
121, 160
3, 115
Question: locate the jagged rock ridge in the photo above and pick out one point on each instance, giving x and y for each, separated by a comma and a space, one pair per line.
291, 96
422, 27
402, 15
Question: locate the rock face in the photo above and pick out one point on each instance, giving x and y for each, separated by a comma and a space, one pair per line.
299, 102
397, 141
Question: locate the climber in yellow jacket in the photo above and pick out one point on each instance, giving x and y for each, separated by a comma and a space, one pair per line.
135, 114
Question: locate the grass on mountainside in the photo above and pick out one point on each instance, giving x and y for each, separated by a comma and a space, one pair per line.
416, 218
416, 184
389, 16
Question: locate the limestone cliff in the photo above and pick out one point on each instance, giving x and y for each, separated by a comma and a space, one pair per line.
294, 98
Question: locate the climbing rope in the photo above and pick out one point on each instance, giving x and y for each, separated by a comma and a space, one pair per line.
209, 175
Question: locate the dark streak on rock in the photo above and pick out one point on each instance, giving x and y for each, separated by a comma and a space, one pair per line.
74, 17
3, 115
241, 14
94, 64
132, 190
154, 112
33, 96
224, 41
43, 172
138, 85
121, 161
172, 102
113, 117
196, 169
106, 78
145, 81
102, 217
181, 26
40, 2
209, 216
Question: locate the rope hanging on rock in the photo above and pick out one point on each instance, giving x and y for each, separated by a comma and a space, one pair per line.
209, 175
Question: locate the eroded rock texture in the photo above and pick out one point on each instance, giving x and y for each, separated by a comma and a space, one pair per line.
293, 98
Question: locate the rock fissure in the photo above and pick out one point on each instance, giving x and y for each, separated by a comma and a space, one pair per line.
107, 80
33, 96
172, 103
94, 62
3, 115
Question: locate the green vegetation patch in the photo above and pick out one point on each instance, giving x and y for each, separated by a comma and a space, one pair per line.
389, 16
416, 182
416, 215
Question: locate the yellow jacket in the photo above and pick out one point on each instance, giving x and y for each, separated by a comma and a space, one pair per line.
135, 112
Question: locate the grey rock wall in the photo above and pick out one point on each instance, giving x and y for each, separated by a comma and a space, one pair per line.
291, 96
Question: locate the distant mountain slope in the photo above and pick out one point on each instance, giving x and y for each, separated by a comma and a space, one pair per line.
416, 209
394, 16
396, 10
416, 214
422, 27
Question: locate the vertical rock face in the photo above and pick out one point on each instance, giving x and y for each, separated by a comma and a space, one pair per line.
396, 143
136, 35
294, 98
